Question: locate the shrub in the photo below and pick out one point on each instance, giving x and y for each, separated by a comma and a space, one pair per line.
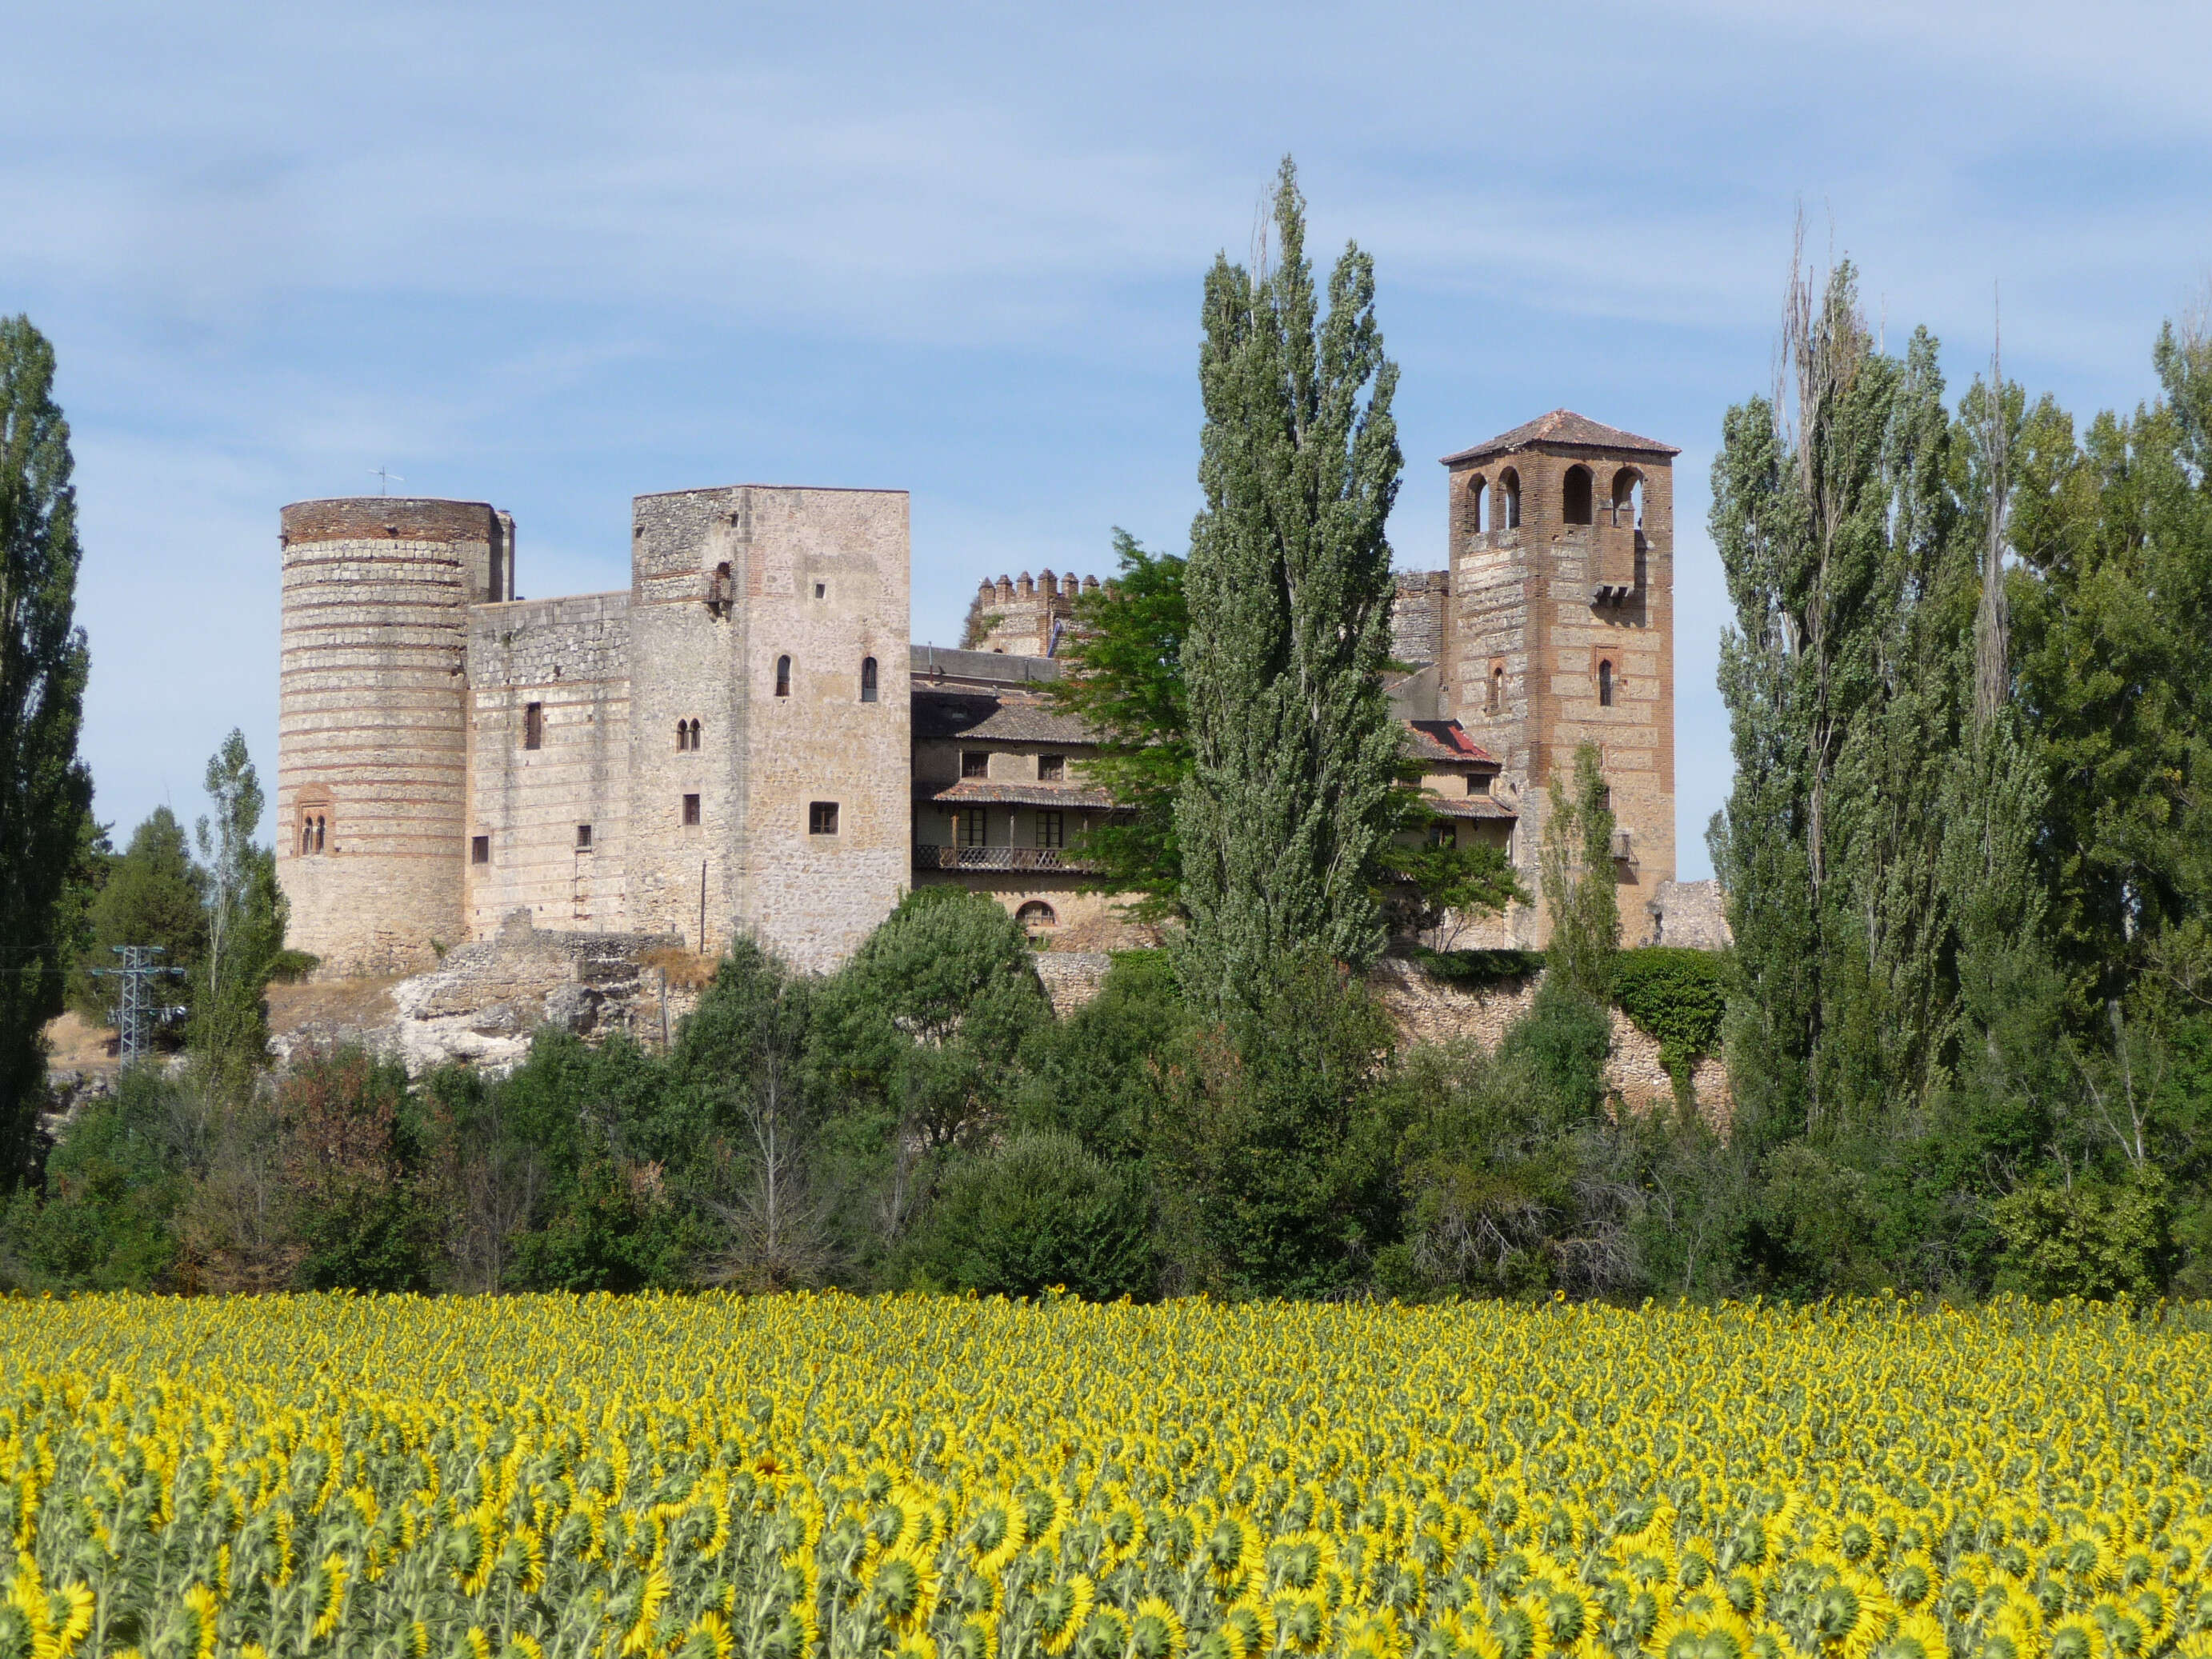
1036, 1212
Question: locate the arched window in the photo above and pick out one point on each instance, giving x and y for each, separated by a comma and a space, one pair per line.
306, 836
694, 734
683, 736
1476, 487
1507, 510
1627, 498
1496, 704
868, 679
1036, 913
783, 676
319, 832
1575, 501
1605, 684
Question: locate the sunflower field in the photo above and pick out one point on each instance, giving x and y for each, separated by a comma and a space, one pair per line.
692, 1478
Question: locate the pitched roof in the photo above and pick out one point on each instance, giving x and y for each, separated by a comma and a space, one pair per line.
1447, 740
1474, 806
1007, 718
1563, 426
982, 792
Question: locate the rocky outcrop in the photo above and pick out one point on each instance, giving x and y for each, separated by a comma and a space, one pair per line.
483, 1003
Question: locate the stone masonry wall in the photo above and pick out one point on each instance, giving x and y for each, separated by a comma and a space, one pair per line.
1522, 604
372, 725
1421, 616
570, 659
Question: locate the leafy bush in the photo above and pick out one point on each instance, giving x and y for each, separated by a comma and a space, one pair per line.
1678, 997
1037, 1212
1474, 970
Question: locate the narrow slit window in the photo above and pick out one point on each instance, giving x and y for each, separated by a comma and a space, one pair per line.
319, 832
783, 676
534, 725
1497, 705
583, 838
690, 811
1605, 686
868, 679
479, 849
821, 817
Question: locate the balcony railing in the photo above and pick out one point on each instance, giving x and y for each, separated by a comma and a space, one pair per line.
999, 858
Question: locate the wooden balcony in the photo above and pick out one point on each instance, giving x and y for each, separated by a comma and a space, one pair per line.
1055, 858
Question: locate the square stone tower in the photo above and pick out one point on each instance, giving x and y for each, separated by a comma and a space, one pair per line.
1561, 631
771, 771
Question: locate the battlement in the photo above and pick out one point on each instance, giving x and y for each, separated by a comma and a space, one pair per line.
1022, 616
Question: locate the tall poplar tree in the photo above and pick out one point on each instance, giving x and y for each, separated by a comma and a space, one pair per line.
1294, 755
45, 792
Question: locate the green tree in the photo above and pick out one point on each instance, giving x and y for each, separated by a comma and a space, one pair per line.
150, 895
45, 792
1294, 756
244, 938
1122, 677
1578, 881
1274, 1160
1038, 1214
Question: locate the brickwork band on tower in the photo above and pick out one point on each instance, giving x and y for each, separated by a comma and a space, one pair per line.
744, 741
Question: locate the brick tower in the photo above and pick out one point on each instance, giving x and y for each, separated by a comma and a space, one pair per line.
1561, 630
372, 724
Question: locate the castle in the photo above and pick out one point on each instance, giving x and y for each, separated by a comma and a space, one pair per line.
744, 741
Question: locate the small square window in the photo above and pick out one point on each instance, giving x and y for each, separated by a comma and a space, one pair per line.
975, 762
534, 725
821, 590
822, 818
583, 838
1478, 783
1444, 834
690, 811
479, 849
1050, 831
1052, 769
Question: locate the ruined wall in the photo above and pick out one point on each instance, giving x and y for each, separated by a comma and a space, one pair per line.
372, 721
1420, 616
552, 821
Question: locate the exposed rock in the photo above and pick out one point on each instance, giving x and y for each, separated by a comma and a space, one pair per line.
483, 1003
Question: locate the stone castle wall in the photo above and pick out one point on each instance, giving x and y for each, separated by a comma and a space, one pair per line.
1526, 622
1420, 616
813, 586
549, 823
1022, 616
372, 721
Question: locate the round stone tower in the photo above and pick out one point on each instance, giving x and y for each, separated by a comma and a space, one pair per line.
371, 746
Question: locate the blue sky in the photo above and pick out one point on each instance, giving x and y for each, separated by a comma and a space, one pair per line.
558, 255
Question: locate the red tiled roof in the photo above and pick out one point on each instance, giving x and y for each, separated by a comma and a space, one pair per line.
1563, 426
1446, 740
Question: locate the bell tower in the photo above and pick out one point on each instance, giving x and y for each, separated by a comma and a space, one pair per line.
1561, 632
